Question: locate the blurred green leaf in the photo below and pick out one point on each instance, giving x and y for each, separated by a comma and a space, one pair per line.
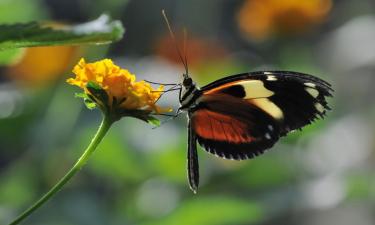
213, 211
115, 161
10, 56
18, 185
170, 163
361, 186
265, 172
22, 11
308, 131
99, 31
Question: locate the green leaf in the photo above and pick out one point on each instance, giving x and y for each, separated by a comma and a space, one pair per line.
153, 120
97, 91
89, 103
93, 85
81, 95
99, 31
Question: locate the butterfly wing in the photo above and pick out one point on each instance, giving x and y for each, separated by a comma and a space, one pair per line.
230, 127
240, 116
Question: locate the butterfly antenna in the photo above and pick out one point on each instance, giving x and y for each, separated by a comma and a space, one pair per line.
185, 50
165, 84
174, 40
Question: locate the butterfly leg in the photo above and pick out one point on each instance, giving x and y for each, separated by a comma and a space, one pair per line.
165, 84
192, 158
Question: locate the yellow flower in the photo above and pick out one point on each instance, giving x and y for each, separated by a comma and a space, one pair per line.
259, 19
124, 93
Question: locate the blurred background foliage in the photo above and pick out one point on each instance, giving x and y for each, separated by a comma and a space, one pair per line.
323, 175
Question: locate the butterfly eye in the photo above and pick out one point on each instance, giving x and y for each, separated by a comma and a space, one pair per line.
187, 82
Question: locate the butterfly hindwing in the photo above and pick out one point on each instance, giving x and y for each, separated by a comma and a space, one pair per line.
231, 127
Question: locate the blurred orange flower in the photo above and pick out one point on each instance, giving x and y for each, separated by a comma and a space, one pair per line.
119, 84
198, 50
43, 64
259, 19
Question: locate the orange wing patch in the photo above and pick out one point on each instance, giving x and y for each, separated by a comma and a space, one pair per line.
219, 127
221, 87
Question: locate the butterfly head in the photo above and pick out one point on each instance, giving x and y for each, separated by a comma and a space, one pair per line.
187, 81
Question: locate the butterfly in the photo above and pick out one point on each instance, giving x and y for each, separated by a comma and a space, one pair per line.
241, 116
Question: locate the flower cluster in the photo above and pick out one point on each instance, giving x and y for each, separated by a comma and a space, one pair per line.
259, 19
121, 90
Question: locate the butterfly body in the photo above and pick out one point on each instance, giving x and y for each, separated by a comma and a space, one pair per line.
239, 117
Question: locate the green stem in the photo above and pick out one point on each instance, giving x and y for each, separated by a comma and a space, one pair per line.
102, 130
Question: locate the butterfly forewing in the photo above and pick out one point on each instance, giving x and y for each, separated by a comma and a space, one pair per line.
294, 99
